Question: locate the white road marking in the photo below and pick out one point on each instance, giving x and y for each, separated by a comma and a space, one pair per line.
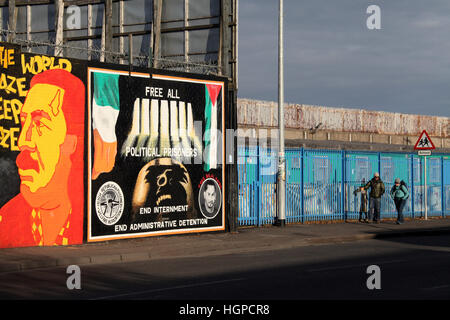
168, 288
354, 266
437, 287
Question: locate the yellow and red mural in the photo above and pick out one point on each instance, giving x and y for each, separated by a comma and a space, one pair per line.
41, 150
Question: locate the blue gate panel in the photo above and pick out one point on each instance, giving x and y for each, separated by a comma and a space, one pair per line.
321, 184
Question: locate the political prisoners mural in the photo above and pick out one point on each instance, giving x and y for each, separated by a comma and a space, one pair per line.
155, 154
42, 115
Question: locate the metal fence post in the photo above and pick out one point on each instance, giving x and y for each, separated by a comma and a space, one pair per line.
379, 162
258, 188
412, 186
130, 49
442, 187
302, 182
446, 172
343, 185
379, 171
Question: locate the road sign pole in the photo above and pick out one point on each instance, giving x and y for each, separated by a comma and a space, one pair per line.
426, 193
424, 145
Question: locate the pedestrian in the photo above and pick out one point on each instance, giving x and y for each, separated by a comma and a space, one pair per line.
376, 191
399, 193
364, 201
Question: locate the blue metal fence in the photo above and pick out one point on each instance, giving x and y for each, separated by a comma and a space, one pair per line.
320, 184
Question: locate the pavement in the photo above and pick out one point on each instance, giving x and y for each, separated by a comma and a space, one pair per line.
246, 239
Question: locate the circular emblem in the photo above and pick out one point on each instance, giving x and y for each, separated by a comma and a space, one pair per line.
109, 203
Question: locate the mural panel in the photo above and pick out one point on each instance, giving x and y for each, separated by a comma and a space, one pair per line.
42, 113
155, 154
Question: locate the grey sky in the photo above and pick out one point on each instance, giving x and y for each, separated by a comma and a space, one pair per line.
333, 59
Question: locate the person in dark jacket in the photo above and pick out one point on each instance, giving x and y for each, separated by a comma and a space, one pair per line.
364, 201
376, 191
399, 193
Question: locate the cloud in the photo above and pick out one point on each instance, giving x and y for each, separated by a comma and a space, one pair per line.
331, 58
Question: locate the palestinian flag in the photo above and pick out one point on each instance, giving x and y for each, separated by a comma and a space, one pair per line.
212, 104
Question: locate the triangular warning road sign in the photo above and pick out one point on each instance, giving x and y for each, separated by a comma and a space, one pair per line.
424, 142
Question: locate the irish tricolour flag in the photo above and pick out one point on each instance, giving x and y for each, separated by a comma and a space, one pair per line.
211, 113
105, 110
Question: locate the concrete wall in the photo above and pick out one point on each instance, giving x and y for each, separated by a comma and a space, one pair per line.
340, 124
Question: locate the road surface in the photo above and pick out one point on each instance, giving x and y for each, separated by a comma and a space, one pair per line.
410, 268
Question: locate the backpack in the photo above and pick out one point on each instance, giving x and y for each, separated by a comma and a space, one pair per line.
403, 183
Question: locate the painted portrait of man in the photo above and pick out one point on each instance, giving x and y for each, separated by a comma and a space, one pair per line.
49, 208
209, 198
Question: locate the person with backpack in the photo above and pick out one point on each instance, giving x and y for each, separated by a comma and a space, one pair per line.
399, 193
364, 201
376, 192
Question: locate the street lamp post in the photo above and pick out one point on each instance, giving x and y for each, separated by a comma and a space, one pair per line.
281, 217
